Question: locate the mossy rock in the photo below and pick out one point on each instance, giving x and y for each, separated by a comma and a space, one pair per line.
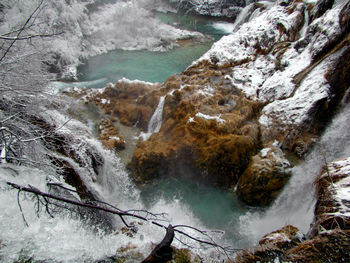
264, 178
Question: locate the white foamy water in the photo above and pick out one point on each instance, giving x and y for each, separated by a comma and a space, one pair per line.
224, 26
66, 237
295, 205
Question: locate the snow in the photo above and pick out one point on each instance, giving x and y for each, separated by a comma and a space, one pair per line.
105, 101
206, 91
264, 152
115, 138
341, 188
208, 117
135, 81
296, 109
270, 78
262, 31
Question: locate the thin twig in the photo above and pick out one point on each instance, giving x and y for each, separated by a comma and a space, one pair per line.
20, 208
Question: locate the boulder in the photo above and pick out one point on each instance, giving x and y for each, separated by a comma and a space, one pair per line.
264, 178
326, 247
208, 131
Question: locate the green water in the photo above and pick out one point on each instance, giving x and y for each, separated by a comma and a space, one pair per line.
142, 65
146, 65
215, 207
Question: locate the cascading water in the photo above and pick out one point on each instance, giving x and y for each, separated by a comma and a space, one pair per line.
67, 237
155, 123
295, 205
243, 16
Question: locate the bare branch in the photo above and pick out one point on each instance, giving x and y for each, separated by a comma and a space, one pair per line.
30, 36
122, 214
21, 30
20, 208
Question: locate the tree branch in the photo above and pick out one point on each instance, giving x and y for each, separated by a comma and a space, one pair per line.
30, 36
168, 238
21, 30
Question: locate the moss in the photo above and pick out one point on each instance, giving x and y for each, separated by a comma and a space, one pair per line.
226, 157
184, 255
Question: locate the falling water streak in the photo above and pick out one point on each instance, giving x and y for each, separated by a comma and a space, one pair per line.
155, 122
295, 205
243, 16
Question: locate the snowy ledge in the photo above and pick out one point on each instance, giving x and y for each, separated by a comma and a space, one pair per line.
339, 173
332, 210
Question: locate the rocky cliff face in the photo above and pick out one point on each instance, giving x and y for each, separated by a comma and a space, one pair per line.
218, 8
272, 84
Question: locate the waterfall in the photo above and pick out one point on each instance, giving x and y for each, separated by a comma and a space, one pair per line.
155, 122
69, 238
295, 205
303, 31
243, 16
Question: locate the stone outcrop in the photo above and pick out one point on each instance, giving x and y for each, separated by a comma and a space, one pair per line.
264, 178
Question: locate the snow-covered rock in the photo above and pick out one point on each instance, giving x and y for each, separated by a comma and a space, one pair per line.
224, 8
333, 197
285, 56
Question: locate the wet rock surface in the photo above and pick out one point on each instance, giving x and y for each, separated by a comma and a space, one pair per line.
264, 178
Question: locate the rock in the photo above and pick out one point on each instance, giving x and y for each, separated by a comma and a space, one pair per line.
282, 239
320, 8
328, 238
271, 247
110, 137
332, 210
264, 178
326, 247
126, 101
277, 77
217, 8
194, 140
